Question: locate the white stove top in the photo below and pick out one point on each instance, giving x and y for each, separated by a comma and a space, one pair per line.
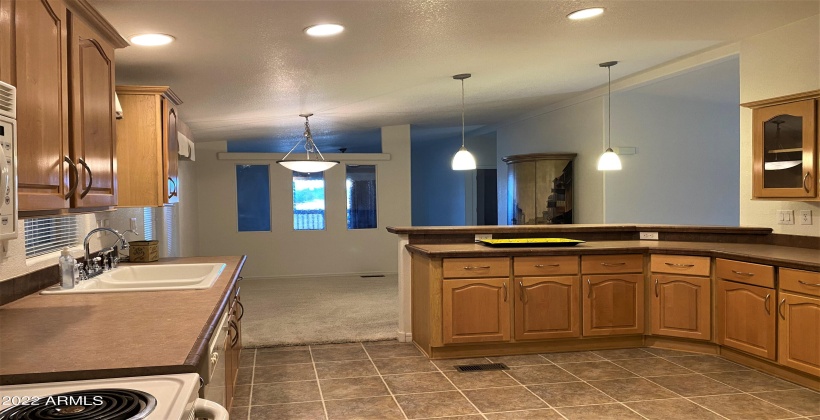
175, 394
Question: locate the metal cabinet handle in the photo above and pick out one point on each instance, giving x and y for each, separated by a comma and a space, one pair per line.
613, 264
740, 273
242, 307
174, 192
808, 284
656, 288
780, 308
476, 267
589, 286
546, 265
72, 186
505, 291
766, 303
235, 336
90, 178
680, 265
805, 178
523, 292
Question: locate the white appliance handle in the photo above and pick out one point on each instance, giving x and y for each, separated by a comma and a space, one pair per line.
4, 173
209, 410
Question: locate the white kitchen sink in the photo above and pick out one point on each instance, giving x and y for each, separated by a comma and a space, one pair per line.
142, 278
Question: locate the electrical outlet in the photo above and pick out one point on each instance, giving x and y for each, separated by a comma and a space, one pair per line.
133, 223
653, 236
805, 217
785, 217
480, 236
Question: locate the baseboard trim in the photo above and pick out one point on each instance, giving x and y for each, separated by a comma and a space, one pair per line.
404, 337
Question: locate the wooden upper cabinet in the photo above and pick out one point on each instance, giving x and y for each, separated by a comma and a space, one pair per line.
547, 307
746, 318
613, 304
7, 42
476, 310
93, 117
681, 306
47, 176
147, 151
799, 332
785, 147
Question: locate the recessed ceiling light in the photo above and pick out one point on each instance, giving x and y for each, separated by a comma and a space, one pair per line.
324, 29
585, 13
151, 39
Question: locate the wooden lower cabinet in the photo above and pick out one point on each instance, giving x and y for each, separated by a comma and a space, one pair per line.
681, 306
613, 304
476, 310
799, 332
546, 307
746, 318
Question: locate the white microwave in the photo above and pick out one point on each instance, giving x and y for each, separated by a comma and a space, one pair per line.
8, 162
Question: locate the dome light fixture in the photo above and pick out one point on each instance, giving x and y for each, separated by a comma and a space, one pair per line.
308, 165
609, 161
324, 29
151, 40
585, 13
463, 160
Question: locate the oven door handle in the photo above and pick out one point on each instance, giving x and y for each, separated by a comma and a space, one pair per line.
205, 409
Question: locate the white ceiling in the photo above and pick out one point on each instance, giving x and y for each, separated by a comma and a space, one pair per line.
245, 69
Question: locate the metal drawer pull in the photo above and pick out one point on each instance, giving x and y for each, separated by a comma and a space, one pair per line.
90, 178
474, 267
72, 186
505, 291
546, 265
780, 308
242, 307
805, 178
680, 265
523, 294
589, 286
808, 284
613, 264
766, 303
656, 288
235, 336
174, 192
740, 273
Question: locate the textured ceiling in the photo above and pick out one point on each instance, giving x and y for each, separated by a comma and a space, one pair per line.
245, 69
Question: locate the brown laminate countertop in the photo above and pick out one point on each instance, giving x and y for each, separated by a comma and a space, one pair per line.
45, 338
575, 228
782, 256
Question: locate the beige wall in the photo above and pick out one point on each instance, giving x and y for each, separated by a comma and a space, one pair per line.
285, 252
776, 63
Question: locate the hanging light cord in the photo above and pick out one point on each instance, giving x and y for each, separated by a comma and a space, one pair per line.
609, 108
462, 112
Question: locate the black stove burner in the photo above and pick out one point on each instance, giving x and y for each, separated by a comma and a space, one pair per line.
97, 404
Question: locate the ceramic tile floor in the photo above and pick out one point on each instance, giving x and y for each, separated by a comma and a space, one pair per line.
392, 380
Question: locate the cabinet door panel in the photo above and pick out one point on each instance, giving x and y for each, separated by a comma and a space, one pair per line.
681, 306
799, 333
93, 145
42, 105
475, 310
745, 318
546, 307
7, 42
613, 304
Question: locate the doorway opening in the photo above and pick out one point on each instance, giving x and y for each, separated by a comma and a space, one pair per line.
486, 197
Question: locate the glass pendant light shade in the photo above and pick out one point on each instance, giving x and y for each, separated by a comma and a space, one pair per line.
609, 161
307, 165
463, 160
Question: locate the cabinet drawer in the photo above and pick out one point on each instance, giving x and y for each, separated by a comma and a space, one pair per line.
545, 266
476, 267
743, 272
807, 282
680, 264
627, 263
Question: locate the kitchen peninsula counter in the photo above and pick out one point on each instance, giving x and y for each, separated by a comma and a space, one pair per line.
46, 338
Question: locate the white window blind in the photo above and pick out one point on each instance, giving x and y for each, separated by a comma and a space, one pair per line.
148, 223
49, 234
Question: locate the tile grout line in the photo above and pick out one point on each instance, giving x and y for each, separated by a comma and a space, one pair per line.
393, 396
761, 399
318, 384
250, 391
602, 392
536, 395
480, 413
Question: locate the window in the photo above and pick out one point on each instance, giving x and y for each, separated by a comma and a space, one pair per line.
148, 223
360, 184
308, 201
49, 234
253, 198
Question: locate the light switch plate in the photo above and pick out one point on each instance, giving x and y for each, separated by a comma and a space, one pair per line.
785, 217
133, 223
653, 236
805, 217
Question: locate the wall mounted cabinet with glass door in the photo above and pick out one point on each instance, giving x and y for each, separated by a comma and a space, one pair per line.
785, 147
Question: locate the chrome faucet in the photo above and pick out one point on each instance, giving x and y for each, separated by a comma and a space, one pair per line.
94, 269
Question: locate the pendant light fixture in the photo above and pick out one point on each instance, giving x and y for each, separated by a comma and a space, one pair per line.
307, 165
463, 160
609, 161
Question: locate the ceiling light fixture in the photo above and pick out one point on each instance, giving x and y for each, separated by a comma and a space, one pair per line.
609, 161
151, 40
463, 160
324, 29
585, 13
307, 165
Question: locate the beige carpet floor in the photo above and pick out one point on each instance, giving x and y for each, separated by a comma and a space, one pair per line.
315, 310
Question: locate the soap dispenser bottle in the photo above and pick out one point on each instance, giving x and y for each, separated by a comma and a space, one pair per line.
67, 265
